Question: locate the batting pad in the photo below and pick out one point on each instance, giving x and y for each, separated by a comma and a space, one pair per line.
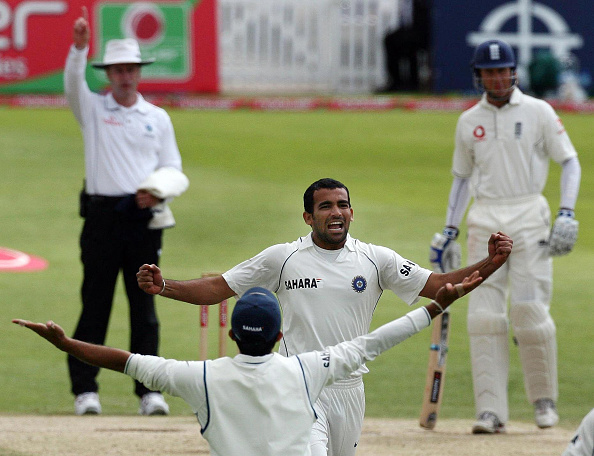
489, 354
536, 335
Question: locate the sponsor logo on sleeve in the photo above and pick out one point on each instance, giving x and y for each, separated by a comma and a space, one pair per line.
407, 268
326, 359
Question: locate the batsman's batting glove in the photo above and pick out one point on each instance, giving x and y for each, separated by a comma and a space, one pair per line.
564, 233
445, 254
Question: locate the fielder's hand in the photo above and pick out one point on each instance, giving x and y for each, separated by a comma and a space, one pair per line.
447, 294
563, 234
445, 254
50, 331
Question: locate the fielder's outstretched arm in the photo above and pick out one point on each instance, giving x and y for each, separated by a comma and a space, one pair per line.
116, 359
203, 291
97, 355
344, 358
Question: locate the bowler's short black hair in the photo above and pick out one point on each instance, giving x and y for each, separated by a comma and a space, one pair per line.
308, 200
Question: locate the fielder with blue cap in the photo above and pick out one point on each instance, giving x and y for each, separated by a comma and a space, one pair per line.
256, 322
257, 403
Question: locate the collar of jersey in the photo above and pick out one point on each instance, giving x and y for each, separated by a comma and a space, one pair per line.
514, 100
247, 359
140, 105
307, 242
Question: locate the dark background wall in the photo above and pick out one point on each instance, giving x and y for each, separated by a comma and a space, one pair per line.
456, 29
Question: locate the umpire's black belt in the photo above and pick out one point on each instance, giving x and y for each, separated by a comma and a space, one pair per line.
102, 200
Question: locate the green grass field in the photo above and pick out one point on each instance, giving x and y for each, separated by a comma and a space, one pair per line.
248, 171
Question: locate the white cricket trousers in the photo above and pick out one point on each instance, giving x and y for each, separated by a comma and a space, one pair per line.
526, 280
340, 410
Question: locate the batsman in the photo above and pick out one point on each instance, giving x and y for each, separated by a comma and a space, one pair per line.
503, 147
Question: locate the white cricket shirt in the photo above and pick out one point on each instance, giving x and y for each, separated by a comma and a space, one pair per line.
123, 146
582, 444
505, 151
326, 302
262, 406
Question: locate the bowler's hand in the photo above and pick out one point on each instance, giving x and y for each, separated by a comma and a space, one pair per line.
500, 247
82, 31
50, 331
149, 279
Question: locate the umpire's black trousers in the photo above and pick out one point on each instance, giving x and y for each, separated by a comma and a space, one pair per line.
114, 240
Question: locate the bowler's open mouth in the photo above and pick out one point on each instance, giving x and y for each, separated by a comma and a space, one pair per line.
335, 226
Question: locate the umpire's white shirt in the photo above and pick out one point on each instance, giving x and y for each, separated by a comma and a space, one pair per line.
262, 406
123, 146
505, 151
325, 301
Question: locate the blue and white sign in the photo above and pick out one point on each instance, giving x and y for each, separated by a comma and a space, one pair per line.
564, 28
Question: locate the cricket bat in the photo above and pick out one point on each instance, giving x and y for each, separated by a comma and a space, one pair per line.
438, 352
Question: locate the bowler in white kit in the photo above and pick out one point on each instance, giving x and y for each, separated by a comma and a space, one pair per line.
328, 285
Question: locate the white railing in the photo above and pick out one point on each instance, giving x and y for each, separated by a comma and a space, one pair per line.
303, 46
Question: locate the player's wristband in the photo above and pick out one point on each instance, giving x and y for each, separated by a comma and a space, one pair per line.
438, 305
566, 213
450, 232
162, 289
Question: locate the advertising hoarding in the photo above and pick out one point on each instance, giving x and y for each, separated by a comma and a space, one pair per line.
35, 37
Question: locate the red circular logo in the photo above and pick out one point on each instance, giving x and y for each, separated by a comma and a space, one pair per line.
146, 26
145, 23
479, 132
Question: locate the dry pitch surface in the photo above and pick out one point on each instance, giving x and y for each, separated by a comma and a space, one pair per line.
135, 436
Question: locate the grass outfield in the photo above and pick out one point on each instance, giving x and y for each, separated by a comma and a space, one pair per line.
248, 171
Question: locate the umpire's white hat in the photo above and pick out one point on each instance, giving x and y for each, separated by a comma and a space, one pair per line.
122, 51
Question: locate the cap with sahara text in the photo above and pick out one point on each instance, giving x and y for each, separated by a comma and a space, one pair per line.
256, 316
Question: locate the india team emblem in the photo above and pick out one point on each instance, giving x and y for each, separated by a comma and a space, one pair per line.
359, 284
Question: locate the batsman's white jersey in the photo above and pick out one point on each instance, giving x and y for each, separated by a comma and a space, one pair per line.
327, 299
582, 444
262, 406
505, 153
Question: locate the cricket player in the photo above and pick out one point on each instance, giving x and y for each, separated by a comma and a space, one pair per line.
257, 403
582, 444
328, 285
503, 148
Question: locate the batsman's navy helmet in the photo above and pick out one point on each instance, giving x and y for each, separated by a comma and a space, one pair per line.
493, 54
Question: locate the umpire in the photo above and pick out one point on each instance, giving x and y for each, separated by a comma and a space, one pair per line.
132, 169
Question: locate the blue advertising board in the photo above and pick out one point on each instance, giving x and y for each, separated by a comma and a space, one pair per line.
562, 27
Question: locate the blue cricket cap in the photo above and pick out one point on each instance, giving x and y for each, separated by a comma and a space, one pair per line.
256, 316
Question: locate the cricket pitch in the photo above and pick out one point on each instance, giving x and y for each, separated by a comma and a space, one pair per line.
28, 435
